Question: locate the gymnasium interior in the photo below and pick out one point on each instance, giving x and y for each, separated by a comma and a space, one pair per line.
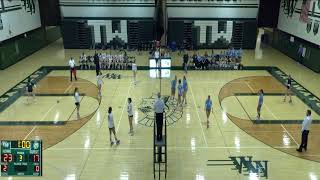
247, 107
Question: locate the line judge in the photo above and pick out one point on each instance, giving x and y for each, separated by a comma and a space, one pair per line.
305, 131
73, 70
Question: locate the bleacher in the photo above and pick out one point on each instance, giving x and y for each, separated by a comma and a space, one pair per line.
227, 60
119, 61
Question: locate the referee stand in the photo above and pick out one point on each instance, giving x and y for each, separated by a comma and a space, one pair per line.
160, 150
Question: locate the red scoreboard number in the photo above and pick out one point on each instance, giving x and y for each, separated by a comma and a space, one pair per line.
36, 169
6, 157
34, 158
4, 168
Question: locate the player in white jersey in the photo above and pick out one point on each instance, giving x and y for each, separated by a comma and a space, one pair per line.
111, 127
109, 58
130, 115
77, 100
99, 83
121, 61
104, 61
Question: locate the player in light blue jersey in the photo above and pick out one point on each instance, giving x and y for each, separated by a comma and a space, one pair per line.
208, 109
173, 87
180, 92
185, 90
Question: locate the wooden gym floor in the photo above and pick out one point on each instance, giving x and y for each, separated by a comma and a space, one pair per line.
79, 148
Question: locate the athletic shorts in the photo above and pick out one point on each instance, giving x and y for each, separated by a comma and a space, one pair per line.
131, 116
30, 90
288, 87
77, 104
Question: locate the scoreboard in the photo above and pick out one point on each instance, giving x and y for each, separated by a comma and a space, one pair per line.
21, 158
164, 62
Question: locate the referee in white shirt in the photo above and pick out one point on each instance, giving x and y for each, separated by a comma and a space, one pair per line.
72, 65
159, 110
305, 131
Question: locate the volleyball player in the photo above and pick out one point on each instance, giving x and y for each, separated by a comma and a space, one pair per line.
180, 91
111, 127
185, 90
260, 103
288, 90
134, 70
208, 109
99, 83
157, 56
173, 87
77, 100
29, 89
109, 61
130, 115
82, 60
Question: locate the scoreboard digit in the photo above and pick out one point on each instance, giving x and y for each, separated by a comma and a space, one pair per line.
21, 158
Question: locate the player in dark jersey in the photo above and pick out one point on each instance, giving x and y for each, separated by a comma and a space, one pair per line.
29, 89
260, 103
288, 90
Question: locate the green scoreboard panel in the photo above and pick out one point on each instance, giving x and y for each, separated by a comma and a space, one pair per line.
21, 158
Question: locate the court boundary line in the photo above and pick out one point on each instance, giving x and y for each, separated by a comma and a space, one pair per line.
101, 125
74, 110
264, 121
281, 150
268, 109
199, 119
124, 105
172, 147
243, 108
275, 117
224, 140
49, 110
289, 134
249, 87
48, 113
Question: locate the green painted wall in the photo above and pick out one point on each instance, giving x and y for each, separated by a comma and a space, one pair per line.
17, 48
250, 32
281, 41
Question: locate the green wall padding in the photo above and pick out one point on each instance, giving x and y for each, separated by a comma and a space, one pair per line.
15, 49
281, 41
